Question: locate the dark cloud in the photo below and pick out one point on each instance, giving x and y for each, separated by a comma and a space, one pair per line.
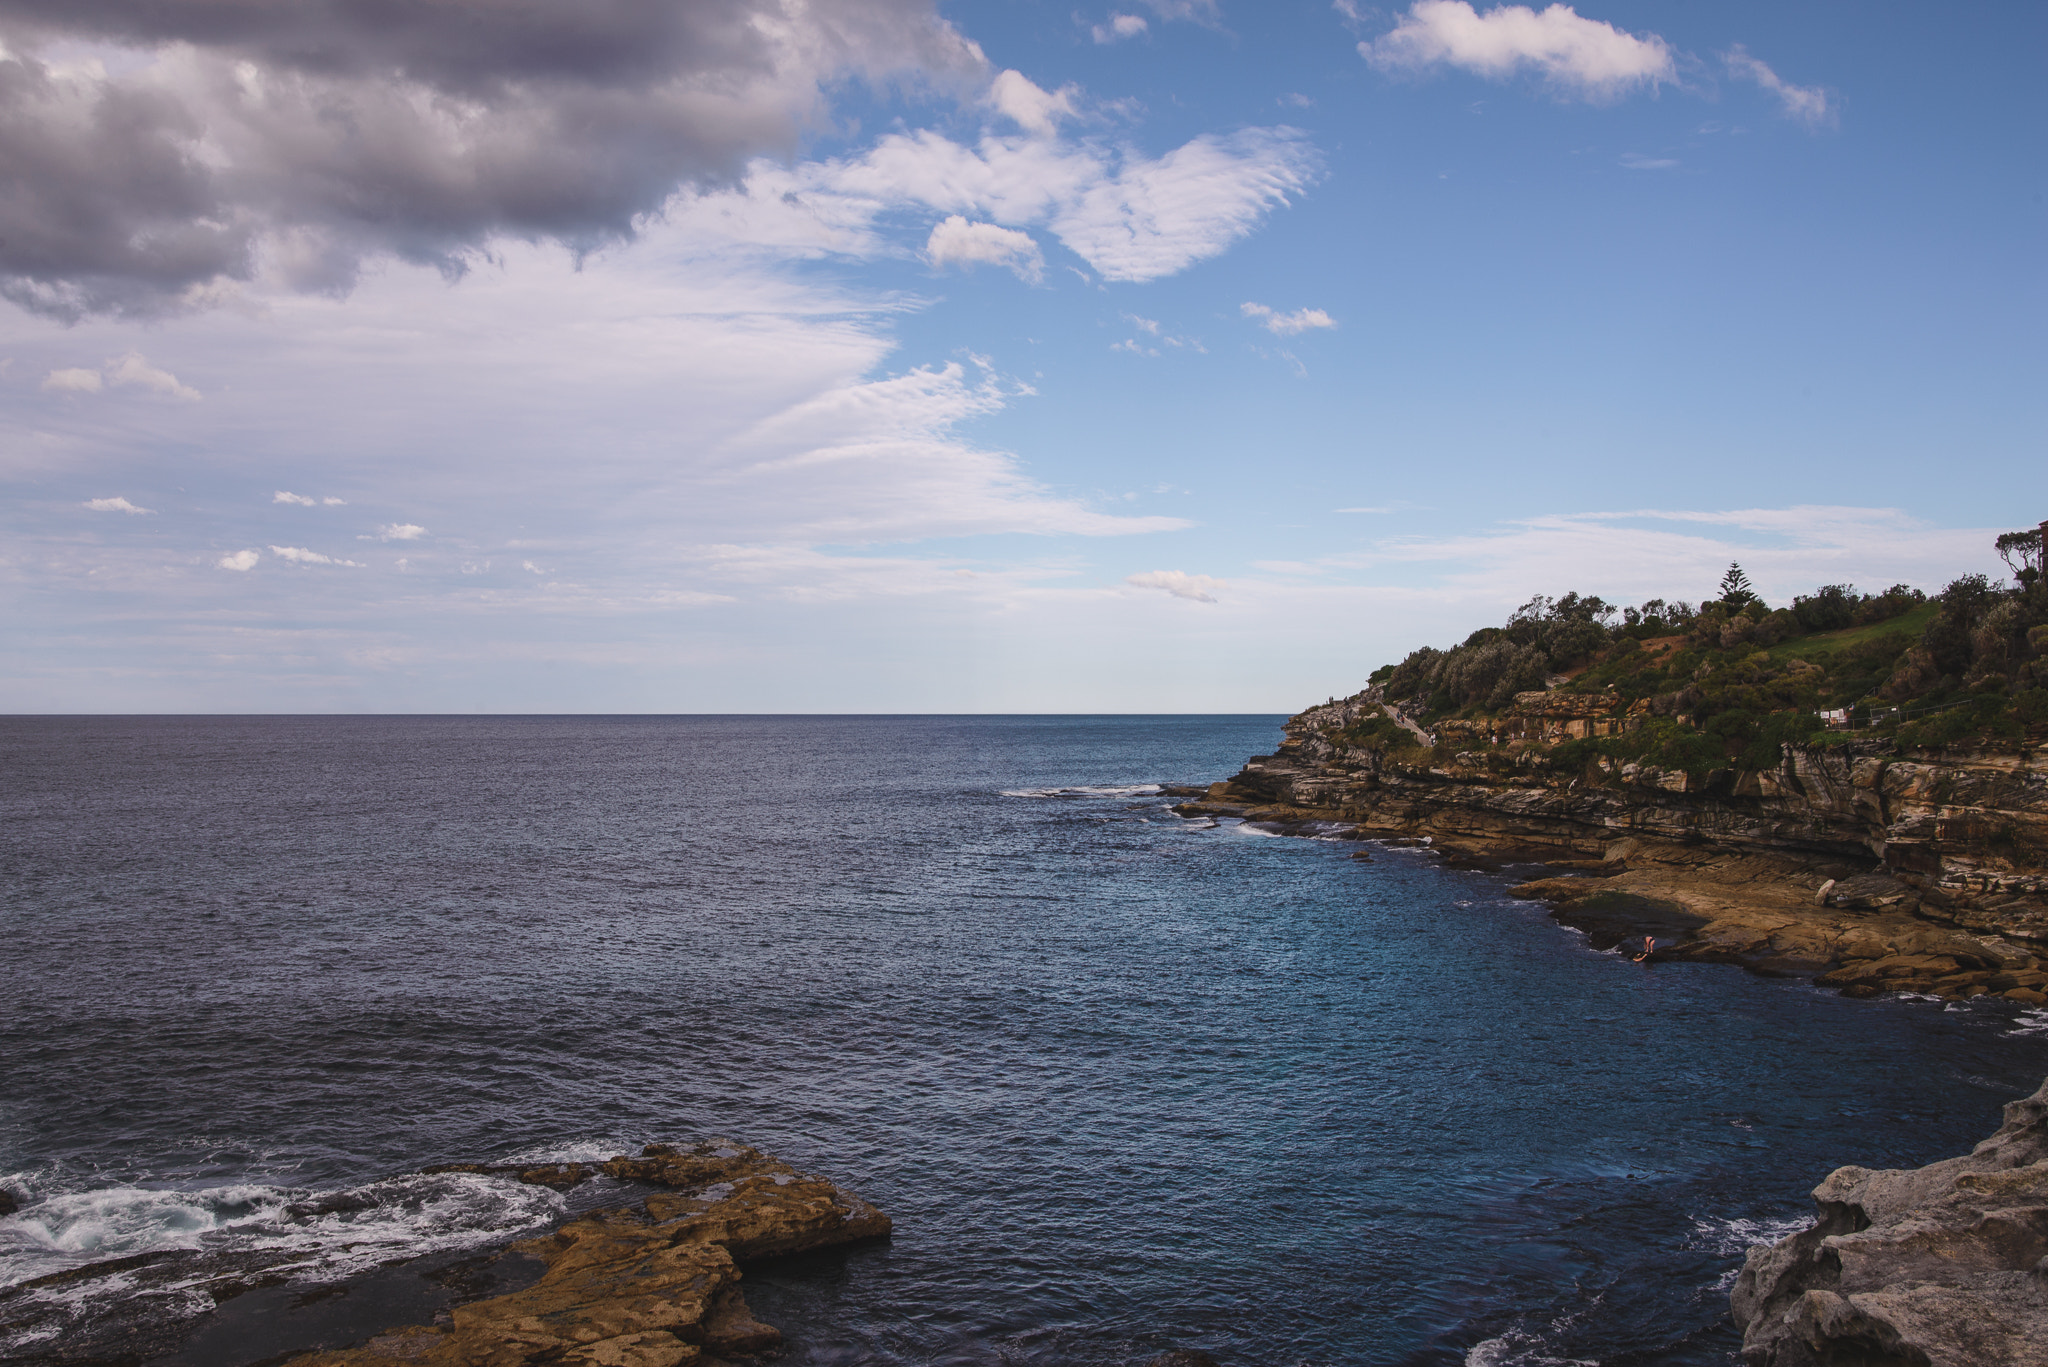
299, 136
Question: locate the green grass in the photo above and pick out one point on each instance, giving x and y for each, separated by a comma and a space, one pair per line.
1815, 649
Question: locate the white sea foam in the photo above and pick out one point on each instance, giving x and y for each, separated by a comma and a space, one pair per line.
2032, 1020
1087, 790
1516, 1349
301, 1234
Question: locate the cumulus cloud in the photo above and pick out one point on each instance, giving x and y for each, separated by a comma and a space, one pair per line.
1119, 27
1578, 56
1016, 98
331, 502
1806, 103
1197, 588
130, 370
242, 561
299, 555
955, 241
115, 505
295, 137
134, 369
281, 496
1288, 324
401, 531
73, 381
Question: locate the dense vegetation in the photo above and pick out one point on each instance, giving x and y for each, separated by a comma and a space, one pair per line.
1724, 682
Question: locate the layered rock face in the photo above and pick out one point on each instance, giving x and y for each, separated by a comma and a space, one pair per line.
1839, 840
653, 1286
1943, 1266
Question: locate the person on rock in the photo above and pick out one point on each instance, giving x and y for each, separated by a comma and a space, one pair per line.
1649, 947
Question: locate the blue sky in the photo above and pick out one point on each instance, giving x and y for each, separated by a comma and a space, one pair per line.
1167, 356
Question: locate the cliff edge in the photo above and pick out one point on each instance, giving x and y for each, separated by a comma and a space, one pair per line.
1942, 1266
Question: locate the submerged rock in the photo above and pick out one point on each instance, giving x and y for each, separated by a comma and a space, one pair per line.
652, 1286
1941, 1266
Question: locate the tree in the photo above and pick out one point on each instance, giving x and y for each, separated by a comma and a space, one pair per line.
2022, 553
1736, 593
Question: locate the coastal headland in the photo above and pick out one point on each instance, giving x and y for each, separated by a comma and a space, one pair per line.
1867, 867
656, 1284
1854, 788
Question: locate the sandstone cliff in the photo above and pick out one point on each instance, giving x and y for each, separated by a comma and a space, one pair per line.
1881, 867
1944, 1266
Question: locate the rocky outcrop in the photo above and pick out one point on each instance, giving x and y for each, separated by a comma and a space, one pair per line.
1942, 1266
657, 1285
1849, 860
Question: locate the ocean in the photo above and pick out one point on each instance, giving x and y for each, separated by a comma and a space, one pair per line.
1126, 1082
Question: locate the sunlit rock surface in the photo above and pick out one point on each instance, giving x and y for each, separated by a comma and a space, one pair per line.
655, 1285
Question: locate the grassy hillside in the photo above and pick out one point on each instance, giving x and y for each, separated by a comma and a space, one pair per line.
1726, 682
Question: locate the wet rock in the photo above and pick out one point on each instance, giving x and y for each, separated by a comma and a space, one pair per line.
8, 1205
1941, 1266
656, 1285
1182, 1357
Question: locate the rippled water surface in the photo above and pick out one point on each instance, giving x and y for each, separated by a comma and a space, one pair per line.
1125, 1081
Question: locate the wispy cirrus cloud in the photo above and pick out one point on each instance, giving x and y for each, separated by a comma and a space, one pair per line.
1287, 324
1807, 103
299, 555
1196, 588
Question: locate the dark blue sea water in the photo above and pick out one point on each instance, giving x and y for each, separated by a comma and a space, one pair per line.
1125, 1081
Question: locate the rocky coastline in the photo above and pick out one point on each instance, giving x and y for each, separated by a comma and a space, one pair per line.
656, 1284
1864, 865
1941, 1266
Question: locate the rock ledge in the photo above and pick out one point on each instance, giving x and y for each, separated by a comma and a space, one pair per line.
1941, 1266
655, 1285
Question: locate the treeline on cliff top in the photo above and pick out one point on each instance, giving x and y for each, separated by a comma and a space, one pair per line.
1728, 680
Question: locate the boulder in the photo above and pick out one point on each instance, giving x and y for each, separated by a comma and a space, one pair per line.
1941, 1266
656, 1285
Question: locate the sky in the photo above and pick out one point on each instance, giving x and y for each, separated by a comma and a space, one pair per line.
877, 356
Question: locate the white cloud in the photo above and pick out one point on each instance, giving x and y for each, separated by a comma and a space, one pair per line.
1208, 13
1120, 26
1629, 556
115, 505
1288, 324
1155, 218
400, 531
1585, 57
134, 369
299, 555
73, 382
1013, 95
332, 502
1198, 588
1130, 217
1806, 103
282, 497
955, 241
239, 560
1150, 325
